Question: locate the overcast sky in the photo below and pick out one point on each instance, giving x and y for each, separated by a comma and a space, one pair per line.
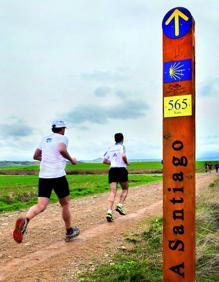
98, 65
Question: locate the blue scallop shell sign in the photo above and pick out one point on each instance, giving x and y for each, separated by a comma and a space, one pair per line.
177, 22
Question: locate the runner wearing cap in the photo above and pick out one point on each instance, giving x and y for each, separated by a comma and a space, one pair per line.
53, 155
116, 158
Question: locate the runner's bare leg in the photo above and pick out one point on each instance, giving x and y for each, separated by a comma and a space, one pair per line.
124, 192
38, 208
66, 213
112, 195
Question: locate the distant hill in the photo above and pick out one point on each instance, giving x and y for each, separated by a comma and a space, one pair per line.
11, 163
98, 160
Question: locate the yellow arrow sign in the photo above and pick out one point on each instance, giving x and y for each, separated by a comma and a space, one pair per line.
175, 15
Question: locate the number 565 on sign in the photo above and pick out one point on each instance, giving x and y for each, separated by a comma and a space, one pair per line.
178, 106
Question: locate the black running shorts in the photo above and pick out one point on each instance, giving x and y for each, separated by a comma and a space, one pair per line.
59, 185
118, 174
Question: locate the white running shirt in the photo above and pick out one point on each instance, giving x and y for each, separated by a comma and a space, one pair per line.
53, 163
114, 155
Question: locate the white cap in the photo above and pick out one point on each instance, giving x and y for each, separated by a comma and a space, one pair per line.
58, 124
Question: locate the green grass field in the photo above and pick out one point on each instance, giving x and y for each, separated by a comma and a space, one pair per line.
20, 191
88, 166
100, 166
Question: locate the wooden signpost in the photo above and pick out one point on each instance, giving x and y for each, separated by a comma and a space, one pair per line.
178, 146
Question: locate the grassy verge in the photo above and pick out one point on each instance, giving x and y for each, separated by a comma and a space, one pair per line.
208, 235
20, 191
142, 260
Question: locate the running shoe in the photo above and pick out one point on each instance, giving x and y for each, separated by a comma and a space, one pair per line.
120, 209
109, 216
74, 232
20, 229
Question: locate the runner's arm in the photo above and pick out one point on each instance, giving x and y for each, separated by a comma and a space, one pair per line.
63, 151
37, 155
105, 161
125, 160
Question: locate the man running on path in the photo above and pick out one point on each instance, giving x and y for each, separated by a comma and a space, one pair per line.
116, 158
53, 155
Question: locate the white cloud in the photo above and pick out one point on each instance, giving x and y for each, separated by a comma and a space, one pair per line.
99, 114
210, 87
102, 91
15, 128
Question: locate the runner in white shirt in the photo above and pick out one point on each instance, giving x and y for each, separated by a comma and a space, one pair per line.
116, 158
52, 164
53, 155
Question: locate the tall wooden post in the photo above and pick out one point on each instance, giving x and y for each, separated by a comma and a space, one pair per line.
178, 146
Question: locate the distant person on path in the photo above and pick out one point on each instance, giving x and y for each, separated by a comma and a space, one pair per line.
206, 167
117, 159
210, 166
216, 166
53, 155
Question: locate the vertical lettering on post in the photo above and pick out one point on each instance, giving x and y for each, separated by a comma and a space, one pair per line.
178, 146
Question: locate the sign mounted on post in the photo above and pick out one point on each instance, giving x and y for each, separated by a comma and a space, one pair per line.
178, 106
178, 146
177, 23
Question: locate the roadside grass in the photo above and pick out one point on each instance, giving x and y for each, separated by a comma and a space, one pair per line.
20, 191
141, 261
208, 235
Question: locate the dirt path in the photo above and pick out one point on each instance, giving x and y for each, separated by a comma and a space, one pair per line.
44, 256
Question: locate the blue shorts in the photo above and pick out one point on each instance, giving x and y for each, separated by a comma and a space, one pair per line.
59, 185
